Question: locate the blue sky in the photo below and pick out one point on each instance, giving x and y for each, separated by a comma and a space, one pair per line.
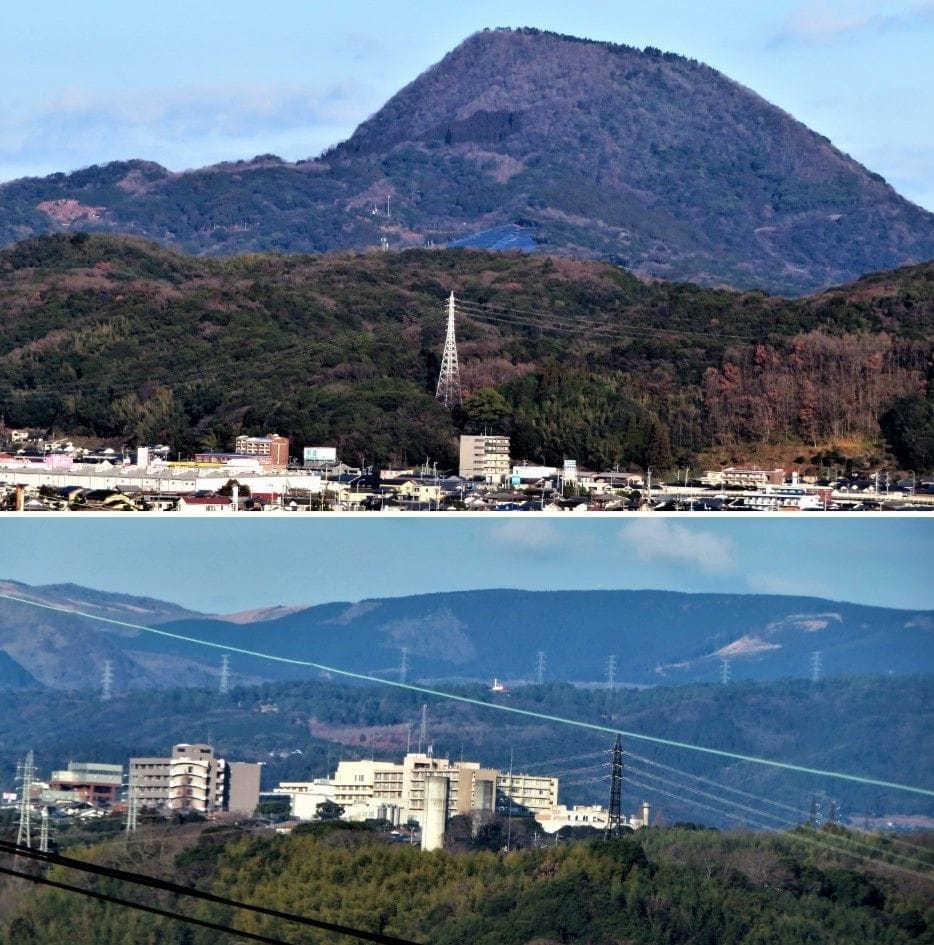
187, 84
227, 566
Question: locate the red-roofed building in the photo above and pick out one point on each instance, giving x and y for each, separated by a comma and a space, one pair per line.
205, 503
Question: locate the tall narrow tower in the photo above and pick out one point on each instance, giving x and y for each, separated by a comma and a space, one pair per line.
449, 380
107, 681
132, 803
26, 777
44, 831
614, 820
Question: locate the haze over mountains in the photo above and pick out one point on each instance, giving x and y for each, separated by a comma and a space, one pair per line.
657, 637
644, 158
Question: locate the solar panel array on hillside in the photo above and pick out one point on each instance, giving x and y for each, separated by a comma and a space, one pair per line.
510, 236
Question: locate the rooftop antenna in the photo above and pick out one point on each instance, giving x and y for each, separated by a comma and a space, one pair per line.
225, 675
423, 731
449, 380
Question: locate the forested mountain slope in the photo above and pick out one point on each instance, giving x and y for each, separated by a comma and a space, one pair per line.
649, 159
115, 338
659, 887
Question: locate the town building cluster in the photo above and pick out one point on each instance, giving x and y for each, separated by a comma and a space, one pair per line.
260, 476
426, 791
421, 792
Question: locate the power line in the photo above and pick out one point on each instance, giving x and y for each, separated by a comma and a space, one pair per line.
799, 816
139, 879
791, 835
552, 321
716, 784
176, 378
153, 910
469, 700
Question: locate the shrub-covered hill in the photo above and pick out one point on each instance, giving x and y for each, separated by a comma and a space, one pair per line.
647, 158
114, 337
658, 887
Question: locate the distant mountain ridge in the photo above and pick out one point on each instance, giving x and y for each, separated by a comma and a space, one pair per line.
650, 160
657, 637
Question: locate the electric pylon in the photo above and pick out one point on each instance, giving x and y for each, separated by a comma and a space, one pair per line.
107, 679
404, 664
449, 380
44, 832
540, 668
132, 804
225, 675
815, 666
614, 820
26, 776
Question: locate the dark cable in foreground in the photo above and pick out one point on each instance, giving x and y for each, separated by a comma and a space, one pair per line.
152, 882
155, 910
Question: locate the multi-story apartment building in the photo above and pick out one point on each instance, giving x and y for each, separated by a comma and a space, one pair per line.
484, 457
534, 792
272, 449
192, 779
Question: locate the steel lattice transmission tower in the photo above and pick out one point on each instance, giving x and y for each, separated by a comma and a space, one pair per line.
449, 380
44, 832
614, 820
224, 687
132, 804
107, 680
26, 777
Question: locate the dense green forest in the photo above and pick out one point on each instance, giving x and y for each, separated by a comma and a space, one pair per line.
117, 339
655, 887
877, 728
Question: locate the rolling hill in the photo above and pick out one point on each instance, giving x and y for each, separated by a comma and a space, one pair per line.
648, 159
659, 638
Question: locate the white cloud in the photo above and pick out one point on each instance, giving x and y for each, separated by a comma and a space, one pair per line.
528, 535
180, 127
797, 586
820, 22
660, 539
